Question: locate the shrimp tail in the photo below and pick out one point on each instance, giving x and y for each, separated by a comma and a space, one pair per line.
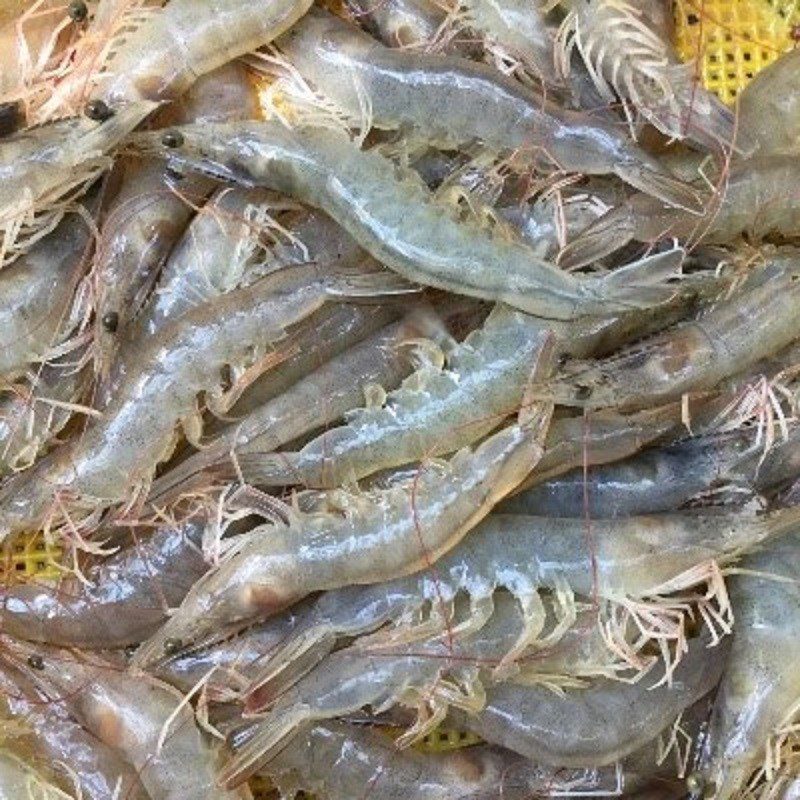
606, 235
643, 283
371, 284
650, 178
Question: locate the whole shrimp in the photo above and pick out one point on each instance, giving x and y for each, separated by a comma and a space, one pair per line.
126, 599
758, 198
143, 720
363, 538
750, 325
631, 59
43, 168
319, 399
760, 690
117, 454
59, 740
185, 39
396, 221
602, 729
451, 101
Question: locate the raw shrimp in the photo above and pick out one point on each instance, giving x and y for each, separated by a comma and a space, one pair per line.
451, 101
760, 690
400, 23
318, 400
127, 597
363, 538
131, 716
606, 721
43, 168
396, 221
185, 39
758, 198
750, 325
435, 411
629, 58
117, 454
57, 739
37, 293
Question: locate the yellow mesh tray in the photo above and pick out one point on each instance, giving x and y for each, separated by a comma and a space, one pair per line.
731, 40
28, 557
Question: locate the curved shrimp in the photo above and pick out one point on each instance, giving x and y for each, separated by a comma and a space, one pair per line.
116, 455
144, 720
758, 198
365, 538
451, 101
396, 221
760, 689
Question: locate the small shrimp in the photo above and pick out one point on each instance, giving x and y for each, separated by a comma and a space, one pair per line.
758, 198
450, 101
629, 58
44, 168
601, 729
142, 719
59, 740
127, 597
760, 689
751, 325
367, 538
317, 400
396, 221
148, 64
118, 453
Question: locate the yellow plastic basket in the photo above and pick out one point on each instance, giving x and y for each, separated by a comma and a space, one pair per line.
28, 557
731, 40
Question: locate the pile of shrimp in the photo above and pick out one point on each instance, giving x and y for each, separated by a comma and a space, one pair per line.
390, 373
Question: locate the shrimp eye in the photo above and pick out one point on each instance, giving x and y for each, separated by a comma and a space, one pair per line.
130, 650
110, 321
562, 359
172, 646
97, 110
35, 662
77, 11
583, 392
695, 784
172, 139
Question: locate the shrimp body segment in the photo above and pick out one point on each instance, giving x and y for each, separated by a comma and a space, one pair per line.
396, 221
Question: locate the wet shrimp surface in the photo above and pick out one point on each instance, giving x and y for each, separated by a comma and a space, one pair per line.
399, 400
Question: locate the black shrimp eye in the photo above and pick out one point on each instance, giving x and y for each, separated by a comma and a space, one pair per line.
110, 321
35, 662
172, 139
172, 646
563, 359
583, 392
77, 11
97, 110
130, 650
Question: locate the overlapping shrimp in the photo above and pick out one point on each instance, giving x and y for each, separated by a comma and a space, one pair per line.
397, 222
360, 537
760, 690
143, 720
632, 60
758, 198
44, 168
118, 452
750, 325
451, 101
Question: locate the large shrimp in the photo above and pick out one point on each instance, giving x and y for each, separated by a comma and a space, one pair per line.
71, 751
364, 538
117, 454
758, 198
396, 221
629, 58
126, 599
451, 101
44, 168
317, 400
750, 325
144, 720
760, 690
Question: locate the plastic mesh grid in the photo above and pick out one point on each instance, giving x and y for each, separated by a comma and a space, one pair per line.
27, 557
731, 40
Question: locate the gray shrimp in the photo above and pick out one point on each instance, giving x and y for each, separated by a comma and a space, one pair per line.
451, 101
760, 689
117, 454
396, 221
